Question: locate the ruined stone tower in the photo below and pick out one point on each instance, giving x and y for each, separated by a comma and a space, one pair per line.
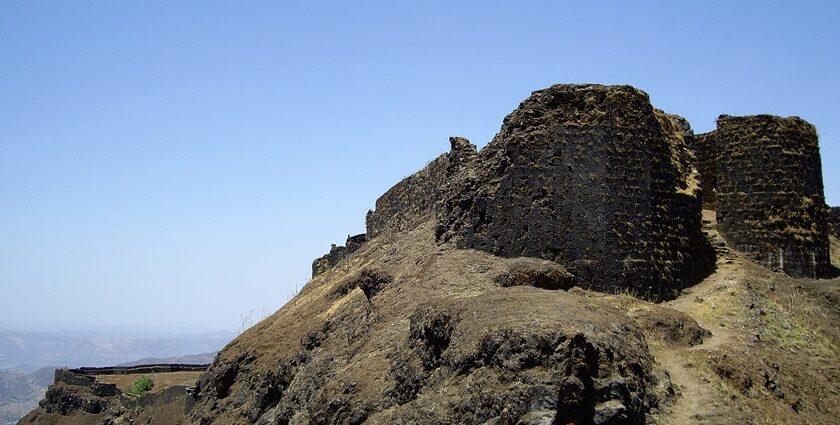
770, 202
594, 178
591, 177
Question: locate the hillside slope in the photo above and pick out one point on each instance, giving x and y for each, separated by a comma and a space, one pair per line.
565, 274
441, 340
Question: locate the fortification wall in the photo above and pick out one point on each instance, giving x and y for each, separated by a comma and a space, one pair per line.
403, 206
140, 369
770, 201
409, 202
585, 176
85, 376
705, 150
833, 220
680, 251
337, 253
81, 379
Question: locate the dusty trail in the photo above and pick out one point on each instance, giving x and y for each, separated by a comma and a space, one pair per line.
698, 403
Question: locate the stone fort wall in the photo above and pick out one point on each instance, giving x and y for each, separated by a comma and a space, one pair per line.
596, 179
404, 206
770, 201
590, 177
705, 149
85, 376
410, 201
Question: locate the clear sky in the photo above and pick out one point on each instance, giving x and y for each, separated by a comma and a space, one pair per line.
183, 162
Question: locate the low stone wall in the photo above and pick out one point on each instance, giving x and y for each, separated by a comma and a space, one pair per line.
770, 202
72, 377
409, 202
167, 396
85, 376
141, 369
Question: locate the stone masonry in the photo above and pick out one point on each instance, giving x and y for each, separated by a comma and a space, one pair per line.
770, 202
596, 179
591, 177
409, 202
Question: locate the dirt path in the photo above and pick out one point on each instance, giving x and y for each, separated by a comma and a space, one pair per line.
698, 403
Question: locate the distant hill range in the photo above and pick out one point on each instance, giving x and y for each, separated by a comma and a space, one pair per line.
20, 392
203, 358
28, 351
24, 356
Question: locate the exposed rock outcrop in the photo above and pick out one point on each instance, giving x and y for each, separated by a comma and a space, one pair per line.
447, 336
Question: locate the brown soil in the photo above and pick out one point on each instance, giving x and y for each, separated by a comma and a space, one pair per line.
773, 355
406, 330
160, 380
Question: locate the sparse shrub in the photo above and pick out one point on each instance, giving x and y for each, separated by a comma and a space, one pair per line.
142, 385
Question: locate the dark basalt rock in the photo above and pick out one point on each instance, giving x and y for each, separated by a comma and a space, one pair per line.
65, 399
589, 176
338, 253
832, 218
409, 202
705, 148
770, 201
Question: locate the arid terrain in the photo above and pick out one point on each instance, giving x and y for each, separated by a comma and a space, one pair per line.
573, 271
161, 380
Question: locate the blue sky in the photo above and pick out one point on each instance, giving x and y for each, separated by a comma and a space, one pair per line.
205, 152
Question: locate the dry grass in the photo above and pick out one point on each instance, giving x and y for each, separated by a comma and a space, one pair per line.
161, 380
834, 245
784, 328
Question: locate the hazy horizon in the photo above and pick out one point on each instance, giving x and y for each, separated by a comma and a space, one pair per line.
181, 164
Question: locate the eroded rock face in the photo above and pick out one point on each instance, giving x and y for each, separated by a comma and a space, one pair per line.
337, 253
591, 177
424, 333
770, 201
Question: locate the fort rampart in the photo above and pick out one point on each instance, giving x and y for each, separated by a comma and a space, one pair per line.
770, 202
596, 179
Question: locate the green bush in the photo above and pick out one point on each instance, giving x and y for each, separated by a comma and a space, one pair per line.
142, 385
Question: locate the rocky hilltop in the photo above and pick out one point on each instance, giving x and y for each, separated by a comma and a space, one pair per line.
596, 263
